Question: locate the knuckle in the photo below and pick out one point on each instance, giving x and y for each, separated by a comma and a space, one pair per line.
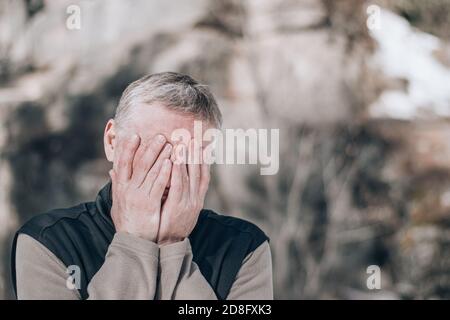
156, 145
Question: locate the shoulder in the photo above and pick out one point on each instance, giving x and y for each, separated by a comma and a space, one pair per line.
226, 228
220, 245
63, 217
229, 222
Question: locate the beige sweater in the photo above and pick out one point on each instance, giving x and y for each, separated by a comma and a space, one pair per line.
136, 268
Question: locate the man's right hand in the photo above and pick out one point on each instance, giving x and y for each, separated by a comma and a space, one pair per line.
139, 176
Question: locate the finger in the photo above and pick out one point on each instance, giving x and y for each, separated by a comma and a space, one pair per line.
126, 148
204, 181
140, 152
112, 175
184, 177
179, 154
156, 168
158, 187
147, 160
194, 168
176, 185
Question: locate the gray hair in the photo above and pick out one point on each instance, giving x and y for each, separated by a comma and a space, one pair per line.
175, 91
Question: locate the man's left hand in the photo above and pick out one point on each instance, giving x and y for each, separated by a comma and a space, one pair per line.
188, 186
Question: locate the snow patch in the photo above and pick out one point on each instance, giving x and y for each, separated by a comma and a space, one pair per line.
406, 53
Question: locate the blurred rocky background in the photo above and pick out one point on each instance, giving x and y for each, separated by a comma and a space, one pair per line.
359, 90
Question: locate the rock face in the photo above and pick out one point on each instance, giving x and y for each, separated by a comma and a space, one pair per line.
357, 186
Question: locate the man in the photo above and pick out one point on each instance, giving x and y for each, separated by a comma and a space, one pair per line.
146, 235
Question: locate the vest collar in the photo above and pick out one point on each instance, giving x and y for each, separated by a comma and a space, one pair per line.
103, 203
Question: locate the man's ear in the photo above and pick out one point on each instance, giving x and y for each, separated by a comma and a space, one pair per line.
109, 139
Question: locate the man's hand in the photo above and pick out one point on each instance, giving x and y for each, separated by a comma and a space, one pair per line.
188, 186
139, 177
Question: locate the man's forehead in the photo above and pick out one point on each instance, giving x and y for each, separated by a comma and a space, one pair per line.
150, 120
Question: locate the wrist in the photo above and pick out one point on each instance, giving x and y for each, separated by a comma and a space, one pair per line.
175, 250
138, 234
135, 245
168, 241
145, 236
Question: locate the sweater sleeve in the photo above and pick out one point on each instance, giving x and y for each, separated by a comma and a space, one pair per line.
129, 272
180, 277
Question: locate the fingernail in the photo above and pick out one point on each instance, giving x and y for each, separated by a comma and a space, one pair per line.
160, 138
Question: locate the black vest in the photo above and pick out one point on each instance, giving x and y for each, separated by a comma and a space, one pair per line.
81, 236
